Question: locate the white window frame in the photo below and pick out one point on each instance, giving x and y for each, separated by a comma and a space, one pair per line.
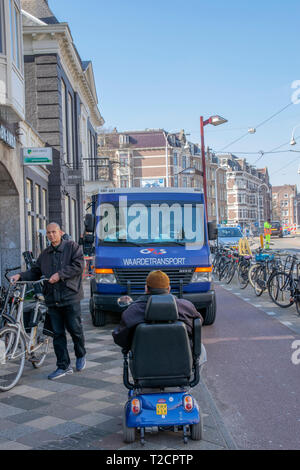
64, 120
2, 29
70, 129
15, 34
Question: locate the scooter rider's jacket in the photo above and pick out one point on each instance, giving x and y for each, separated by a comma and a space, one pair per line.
135, 314
68, 261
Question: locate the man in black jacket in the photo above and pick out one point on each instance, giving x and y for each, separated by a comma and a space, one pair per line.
157, 283
62, 263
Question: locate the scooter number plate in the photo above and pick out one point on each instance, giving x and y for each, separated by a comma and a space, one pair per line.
161, 409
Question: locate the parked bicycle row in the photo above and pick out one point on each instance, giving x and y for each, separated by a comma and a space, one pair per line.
276, 272
23, 332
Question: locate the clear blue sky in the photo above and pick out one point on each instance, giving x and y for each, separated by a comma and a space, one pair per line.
163, 63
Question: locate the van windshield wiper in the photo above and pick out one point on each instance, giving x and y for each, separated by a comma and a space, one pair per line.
119, 242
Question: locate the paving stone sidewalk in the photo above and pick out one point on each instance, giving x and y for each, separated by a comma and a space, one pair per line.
84, 410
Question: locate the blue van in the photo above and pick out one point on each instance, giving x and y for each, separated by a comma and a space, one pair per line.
140, 230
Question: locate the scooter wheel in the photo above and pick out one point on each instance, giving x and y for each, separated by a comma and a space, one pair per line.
196, 431
128, 433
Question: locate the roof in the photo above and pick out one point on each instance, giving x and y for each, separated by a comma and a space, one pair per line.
40, 9
276, 189
139, 139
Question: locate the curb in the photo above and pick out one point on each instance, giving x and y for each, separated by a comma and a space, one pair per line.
218, 418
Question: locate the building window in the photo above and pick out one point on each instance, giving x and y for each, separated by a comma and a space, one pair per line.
73, 219
67, 215
64, 120
30, 216
176, 181
123, 161
1, 28
70, 130
124, 182
183, 161
17, 38
15, 30
286, 195
124, 139
175, 159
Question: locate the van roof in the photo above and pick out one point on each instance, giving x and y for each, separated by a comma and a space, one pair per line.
145, 190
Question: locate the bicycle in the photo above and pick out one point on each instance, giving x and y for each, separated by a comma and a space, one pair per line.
260, 272
243, 270
283, 285
5, 303
229, 268
18, 342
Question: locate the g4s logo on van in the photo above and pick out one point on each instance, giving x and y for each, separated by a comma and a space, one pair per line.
153, 251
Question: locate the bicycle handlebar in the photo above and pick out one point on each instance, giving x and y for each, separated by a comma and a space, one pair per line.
30, 282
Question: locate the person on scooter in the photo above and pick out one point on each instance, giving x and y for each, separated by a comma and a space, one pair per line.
157, 283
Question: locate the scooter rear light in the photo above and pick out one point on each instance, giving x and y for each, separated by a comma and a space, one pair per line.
135, 406
188, 403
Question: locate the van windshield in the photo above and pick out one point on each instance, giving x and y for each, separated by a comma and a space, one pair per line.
144, 223
229, 232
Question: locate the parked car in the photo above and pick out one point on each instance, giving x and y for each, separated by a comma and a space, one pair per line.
276, 229
229, 235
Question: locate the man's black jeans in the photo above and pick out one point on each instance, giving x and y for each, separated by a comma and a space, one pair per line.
62, 319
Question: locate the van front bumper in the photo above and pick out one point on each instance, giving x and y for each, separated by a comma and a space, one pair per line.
109, 302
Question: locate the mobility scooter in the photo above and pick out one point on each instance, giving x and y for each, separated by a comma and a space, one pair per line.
163, 366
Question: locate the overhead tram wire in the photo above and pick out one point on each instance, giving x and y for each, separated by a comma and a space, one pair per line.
258, 125
285, 166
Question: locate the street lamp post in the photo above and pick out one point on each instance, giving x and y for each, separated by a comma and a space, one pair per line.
258, 189
215, 121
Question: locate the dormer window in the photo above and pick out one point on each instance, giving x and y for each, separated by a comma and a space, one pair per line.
123, 139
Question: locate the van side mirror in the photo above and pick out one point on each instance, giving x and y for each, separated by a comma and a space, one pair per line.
212, 230
89, 223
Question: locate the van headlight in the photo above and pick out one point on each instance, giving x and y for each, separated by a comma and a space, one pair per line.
202, 275
105, 276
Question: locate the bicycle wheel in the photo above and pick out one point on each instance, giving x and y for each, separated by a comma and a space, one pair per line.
297, 302
243, 275
40, 345
279, 288
256, 278
12, 357
230, 273
224, 272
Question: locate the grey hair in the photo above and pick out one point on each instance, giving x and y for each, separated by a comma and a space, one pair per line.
54, 223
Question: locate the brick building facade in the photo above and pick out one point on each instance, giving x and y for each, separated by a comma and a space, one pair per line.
248, 192
285, 204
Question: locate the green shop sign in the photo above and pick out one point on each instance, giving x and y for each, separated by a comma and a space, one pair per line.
37, 156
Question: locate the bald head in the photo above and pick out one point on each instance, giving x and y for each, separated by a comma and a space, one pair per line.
54, 233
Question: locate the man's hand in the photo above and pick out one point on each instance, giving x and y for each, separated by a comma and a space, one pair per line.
15, 278
54, 278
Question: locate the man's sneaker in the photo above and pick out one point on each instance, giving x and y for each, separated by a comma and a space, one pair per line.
80, 363
60, 373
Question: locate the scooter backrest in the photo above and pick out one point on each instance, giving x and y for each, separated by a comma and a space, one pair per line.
161, 309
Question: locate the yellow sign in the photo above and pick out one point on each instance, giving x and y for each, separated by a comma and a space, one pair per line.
244, 248
161, 409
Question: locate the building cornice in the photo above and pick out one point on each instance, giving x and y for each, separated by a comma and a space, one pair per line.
61, 33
